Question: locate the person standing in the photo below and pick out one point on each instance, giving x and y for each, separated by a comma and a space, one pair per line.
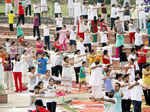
44, 7
36, 26
70, 4
28, 7
20, 13
37, 11
11, 20
113, 15
57, 10
46, 37
8, 6
77, 11
17, 72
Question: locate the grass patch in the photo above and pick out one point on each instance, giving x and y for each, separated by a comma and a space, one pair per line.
67, 107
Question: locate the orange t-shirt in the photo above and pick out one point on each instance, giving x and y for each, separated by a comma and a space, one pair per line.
3, 57
8, 1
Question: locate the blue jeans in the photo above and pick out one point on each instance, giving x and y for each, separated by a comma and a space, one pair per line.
137, 106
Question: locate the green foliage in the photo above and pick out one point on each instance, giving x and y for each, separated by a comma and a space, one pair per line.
2, 90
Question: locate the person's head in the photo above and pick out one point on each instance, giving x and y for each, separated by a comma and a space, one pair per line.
131, 61
59, 15
7, 40
142, 46
20, 3
131, 21
107, 72
77, 52
138, 30
81, 18
110, 94
32, 69
40, 84
47, 73
7, 56
97, 62
17, 57
92, 52
119, 77
137, 76
12, 43
118, 18
74, 28
146, 66
84, 63
11, 12
113, 5
38, 103
51, 81
36, 89
66, 59
64, 27
42, 55
95, 20
126, 78
133, 50
105, 52
117, 87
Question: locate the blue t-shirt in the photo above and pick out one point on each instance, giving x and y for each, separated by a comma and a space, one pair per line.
42, 66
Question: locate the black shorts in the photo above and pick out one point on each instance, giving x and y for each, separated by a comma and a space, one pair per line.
72, 42
85, 16
56, 15
58, 28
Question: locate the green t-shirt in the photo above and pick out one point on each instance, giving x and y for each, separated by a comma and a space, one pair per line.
19, 31
82, 75
119, 40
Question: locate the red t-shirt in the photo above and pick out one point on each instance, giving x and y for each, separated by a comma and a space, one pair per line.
41, 109
21, 10
105, 61
8, 1
94, 26
142, 57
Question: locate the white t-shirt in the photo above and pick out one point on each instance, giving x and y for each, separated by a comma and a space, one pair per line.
141, 11
81, 27
113, 12
72, 35
7, 44
31, 81
46, 31
137, 91
37, 9
132, 28
126, 92
84, 10
81, 47
77, 9
17, 67
108, 106
138, 39
87, 39
57, 7
59, 22
76, 60
103, 37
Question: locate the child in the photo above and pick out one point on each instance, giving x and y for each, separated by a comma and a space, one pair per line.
20, 13
131, 31
108, 82
32, 79
138, 39
136, 93
39, 107
46, 37
8, 6
11, 20
36, 25
20, 34
73, 36
51, 103
87, 40
82, 74
44, 7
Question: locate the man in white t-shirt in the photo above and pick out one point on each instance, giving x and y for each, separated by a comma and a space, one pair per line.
57, 9
70, 7
46, 37
113, 15
136, 93
138, 39
77, 11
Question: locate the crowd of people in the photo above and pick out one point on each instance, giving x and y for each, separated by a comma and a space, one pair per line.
84, 51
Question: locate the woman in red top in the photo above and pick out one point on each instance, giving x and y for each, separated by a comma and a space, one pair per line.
81, 28
141, 58
39, 46
94, 29
57, 45
20, 13
105, 57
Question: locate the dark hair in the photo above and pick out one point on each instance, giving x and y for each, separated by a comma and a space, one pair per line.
38, 39
39, 83
36, 87
105, 52
31, 68
83, 62
95, 20
13, 42
51, 79
20, 3
39, 103
125, 76
7, 39
118, 75
66, 57
16, 57
113, 5
64, 26
118, 84
132, 49
11, 12
96, 62
76, 52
